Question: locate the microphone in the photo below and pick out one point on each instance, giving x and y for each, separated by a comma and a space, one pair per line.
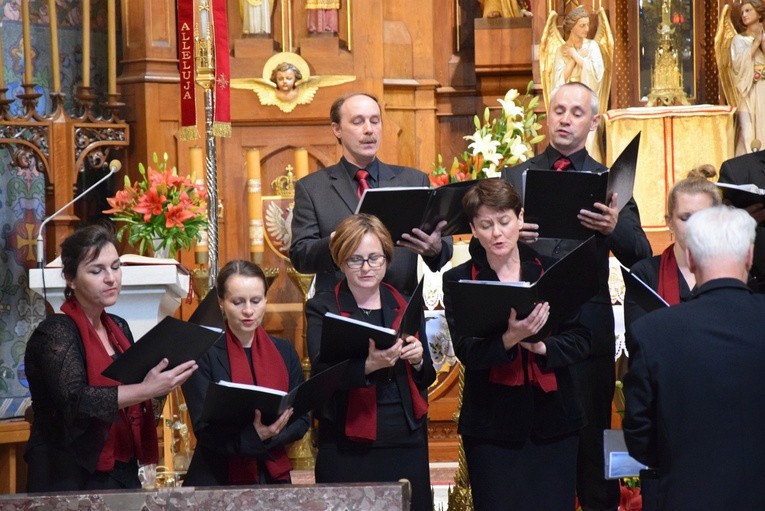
114, 167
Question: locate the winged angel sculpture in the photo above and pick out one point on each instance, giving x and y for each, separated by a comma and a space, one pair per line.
287, 82
740, 58
572, 57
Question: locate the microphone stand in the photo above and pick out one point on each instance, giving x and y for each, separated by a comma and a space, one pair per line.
114, 167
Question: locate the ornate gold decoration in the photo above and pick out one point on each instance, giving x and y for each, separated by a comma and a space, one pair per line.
278, 214
303, 90
666, 79
303, 452
460, 497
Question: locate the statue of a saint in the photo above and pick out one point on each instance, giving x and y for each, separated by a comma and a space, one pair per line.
256, 16
322, 15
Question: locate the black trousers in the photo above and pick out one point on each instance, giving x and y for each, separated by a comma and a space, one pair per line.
595, 379
535, 475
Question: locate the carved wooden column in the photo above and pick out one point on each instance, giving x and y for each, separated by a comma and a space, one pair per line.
149, 79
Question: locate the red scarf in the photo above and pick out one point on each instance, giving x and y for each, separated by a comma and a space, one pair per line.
512, 373
361, 415
271, 372
669, 282
134, 434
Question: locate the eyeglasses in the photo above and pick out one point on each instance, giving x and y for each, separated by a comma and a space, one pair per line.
374, 261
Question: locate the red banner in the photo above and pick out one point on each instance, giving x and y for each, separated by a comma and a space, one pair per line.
222, 112
186, 68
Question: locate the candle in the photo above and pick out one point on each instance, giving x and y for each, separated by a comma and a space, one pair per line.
204, 20
301, 163
255, 204
111, 45
86, 43
253, 164
27, 38
196, 161
54, 59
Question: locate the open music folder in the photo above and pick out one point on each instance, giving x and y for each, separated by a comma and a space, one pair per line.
482, 308
235, 403
345, 338
402, 209
178, 341
553, 199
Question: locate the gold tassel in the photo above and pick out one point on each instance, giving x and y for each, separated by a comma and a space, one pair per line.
189, 133
222, 129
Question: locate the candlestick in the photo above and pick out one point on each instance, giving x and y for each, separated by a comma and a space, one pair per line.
111, 45
27, 38
86, 43
196, 161
301, 163
54, 58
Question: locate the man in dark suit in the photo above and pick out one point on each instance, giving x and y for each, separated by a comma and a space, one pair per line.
695, 391
572, 115
750, 169
324, 198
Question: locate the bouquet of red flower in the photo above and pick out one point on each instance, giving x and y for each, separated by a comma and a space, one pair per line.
162, 209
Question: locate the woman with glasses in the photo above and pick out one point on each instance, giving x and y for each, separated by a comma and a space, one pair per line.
374, 428
520, 415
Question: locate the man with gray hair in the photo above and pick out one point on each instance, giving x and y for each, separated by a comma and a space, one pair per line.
695, 391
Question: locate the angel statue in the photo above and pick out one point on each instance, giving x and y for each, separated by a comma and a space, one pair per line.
571, 57
287, 82
740, 53
256, 16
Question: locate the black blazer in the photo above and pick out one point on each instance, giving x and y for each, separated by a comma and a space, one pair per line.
512, 414
71, 418
217, 443
647, 270
695, 398
326, 197
332, 415
628, 243
749, 169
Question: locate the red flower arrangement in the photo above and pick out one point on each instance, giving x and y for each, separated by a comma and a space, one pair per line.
161, 206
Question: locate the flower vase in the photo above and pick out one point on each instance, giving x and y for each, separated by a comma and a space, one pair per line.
160, 252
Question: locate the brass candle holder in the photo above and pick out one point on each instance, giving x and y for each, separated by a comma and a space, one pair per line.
303, 452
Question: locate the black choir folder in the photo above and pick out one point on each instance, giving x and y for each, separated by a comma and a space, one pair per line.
235, 403
482, 308
344, 338
641, 293
176, 340
742, 196
402, 209
553, 199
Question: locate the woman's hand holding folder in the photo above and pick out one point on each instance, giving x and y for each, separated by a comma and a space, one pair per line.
520, 329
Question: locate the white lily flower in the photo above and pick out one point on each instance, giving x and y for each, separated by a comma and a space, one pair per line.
483, 144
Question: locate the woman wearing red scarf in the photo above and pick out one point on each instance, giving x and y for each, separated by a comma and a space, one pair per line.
90, 432
668, 274
375, 428
520, 414
254, 453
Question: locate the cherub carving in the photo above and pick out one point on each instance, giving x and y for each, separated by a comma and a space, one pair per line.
740, 58
572, 57
287, 82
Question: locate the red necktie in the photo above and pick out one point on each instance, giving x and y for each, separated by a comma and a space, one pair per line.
361, 177
561, 164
